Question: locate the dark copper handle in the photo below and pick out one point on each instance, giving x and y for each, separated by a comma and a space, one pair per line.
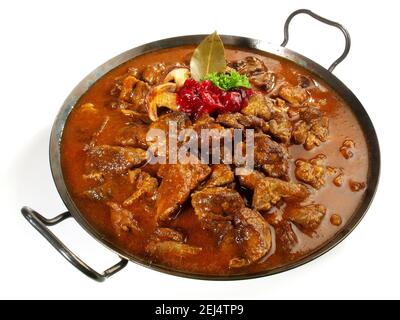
323, 20
41, 224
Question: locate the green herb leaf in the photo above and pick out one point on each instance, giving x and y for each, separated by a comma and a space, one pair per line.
208, 57
227, 81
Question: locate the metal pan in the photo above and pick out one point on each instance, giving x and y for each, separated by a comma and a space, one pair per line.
41, 224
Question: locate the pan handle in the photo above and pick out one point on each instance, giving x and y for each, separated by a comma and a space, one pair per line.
323, 20
41, 224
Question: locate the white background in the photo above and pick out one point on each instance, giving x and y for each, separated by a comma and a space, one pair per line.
47, 47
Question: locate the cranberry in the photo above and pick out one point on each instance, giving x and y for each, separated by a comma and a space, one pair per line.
202, 97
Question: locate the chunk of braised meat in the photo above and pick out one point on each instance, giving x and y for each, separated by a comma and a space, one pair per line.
285, 237
311, 129
116, 89
259, 106
300, 131
146, 185
269, 191
312, 171
221, 175
163, 123
270, 156
172, 120
114, 159
178, 180
339, 179
241, 121
133, 135
215, 208
305, 81
163, 234
134, 91
206, 122
153, 73
166, 242
357, 186
263, 80
248, 65
133, 115
208, 130
256, 71
151, 168
280, 126
347, 148
122, 219
253, 236
223, 211
295, 95
308, 217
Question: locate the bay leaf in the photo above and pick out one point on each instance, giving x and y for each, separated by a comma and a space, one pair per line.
208, 57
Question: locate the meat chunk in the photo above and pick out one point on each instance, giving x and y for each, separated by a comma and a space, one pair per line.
248, 65
311, 129
215, 132
300, 132
118, 81
338, 180
357, 186
209, 123
285, 236
271, 156
132, 135
257, 72
223, 211
347, 148
295, 95
308, 217
263, 80
241, 121
113, 159
215, 208
153, 73
312, 171
166, 242
179, 120
305, 81
178, 180
253, 235
280, 125
269, 191
221, 175
146, 185
134, 92
259, 106
122, 219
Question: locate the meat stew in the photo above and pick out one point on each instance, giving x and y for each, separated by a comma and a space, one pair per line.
311, 165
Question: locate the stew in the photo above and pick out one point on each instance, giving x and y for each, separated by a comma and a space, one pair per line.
310, 162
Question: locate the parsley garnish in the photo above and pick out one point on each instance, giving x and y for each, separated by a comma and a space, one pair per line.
227, 81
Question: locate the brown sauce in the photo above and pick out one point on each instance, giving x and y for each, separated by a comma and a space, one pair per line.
340, 200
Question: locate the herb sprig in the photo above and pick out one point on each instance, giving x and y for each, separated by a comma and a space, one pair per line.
227, 81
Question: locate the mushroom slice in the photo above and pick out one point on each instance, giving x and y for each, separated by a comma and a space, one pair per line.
178, 75
162, 96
